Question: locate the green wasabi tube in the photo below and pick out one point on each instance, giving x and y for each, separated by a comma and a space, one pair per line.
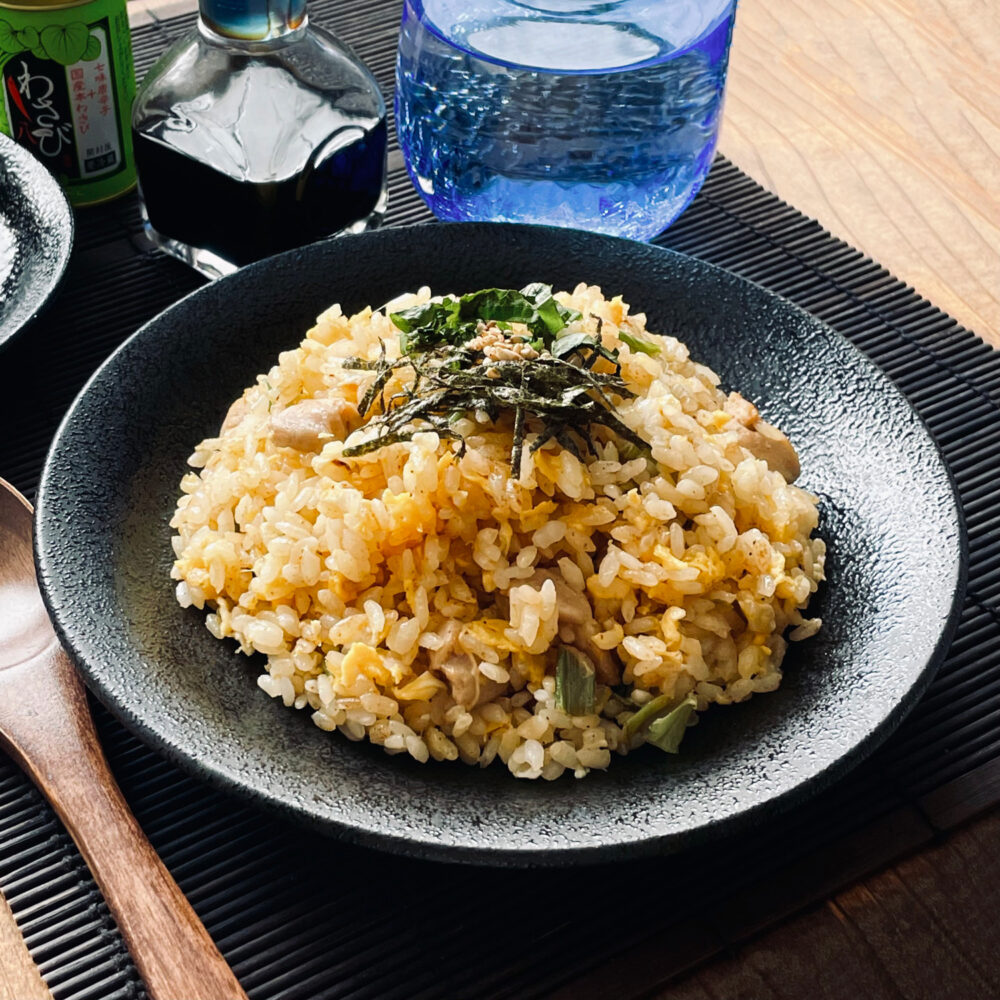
68, 84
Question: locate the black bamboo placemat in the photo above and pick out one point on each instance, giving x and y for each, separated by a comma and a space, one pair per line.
301, 917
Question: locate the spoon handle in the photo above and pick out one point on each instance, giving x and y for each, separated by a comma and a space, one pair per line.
48, 730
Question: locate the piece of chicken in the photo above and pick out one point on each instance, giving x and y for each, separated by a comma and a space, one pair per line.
761, 439
468, 687
308, 425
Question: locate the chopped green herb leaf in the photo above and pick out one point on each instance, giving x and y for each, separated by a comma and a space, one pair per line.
564, 346
425, 326
454, 321
434, 314
500, 304
574, 682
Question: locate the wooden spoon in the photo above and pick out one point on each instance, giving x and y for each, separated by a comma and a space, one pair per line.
45, 725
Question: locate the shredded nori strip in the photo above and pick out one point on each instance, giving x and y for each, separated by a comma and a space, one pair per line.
449, 382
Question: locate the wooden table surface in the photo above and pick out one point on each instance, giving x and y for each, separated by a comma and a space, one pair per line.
880, 118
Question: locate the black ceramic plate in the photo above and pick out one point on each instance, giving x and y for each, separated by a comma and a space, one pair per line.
888, 511
36, 234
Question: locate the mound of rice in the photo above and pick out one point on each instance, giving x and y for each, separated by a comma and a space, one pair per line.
419, 598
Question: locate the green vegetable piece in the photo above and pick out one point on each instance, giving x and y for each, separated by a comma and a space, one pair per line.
575, 681
65, 44
667, 731
93, 49
637, 344
627, 451
648, 711
9, 42
671, 718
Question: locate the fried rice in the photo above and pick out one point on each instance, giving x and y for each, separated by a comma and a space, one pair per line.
418, 595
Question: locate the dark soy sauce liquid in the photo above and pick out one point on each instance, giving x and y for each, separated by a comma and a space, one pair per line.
242, 221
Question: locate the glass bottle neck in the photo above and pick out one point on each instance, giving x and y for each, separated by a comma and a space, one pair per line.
252, 21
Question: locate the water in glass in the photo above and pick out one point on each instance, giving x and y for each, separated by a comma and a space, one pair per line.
598, 115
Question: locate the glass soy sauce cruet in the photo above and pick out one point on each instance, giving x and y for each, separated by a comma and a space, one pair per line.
255, 134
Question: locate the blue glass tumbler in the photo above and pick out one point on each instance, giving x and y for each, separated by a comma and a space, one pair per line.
596, 115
